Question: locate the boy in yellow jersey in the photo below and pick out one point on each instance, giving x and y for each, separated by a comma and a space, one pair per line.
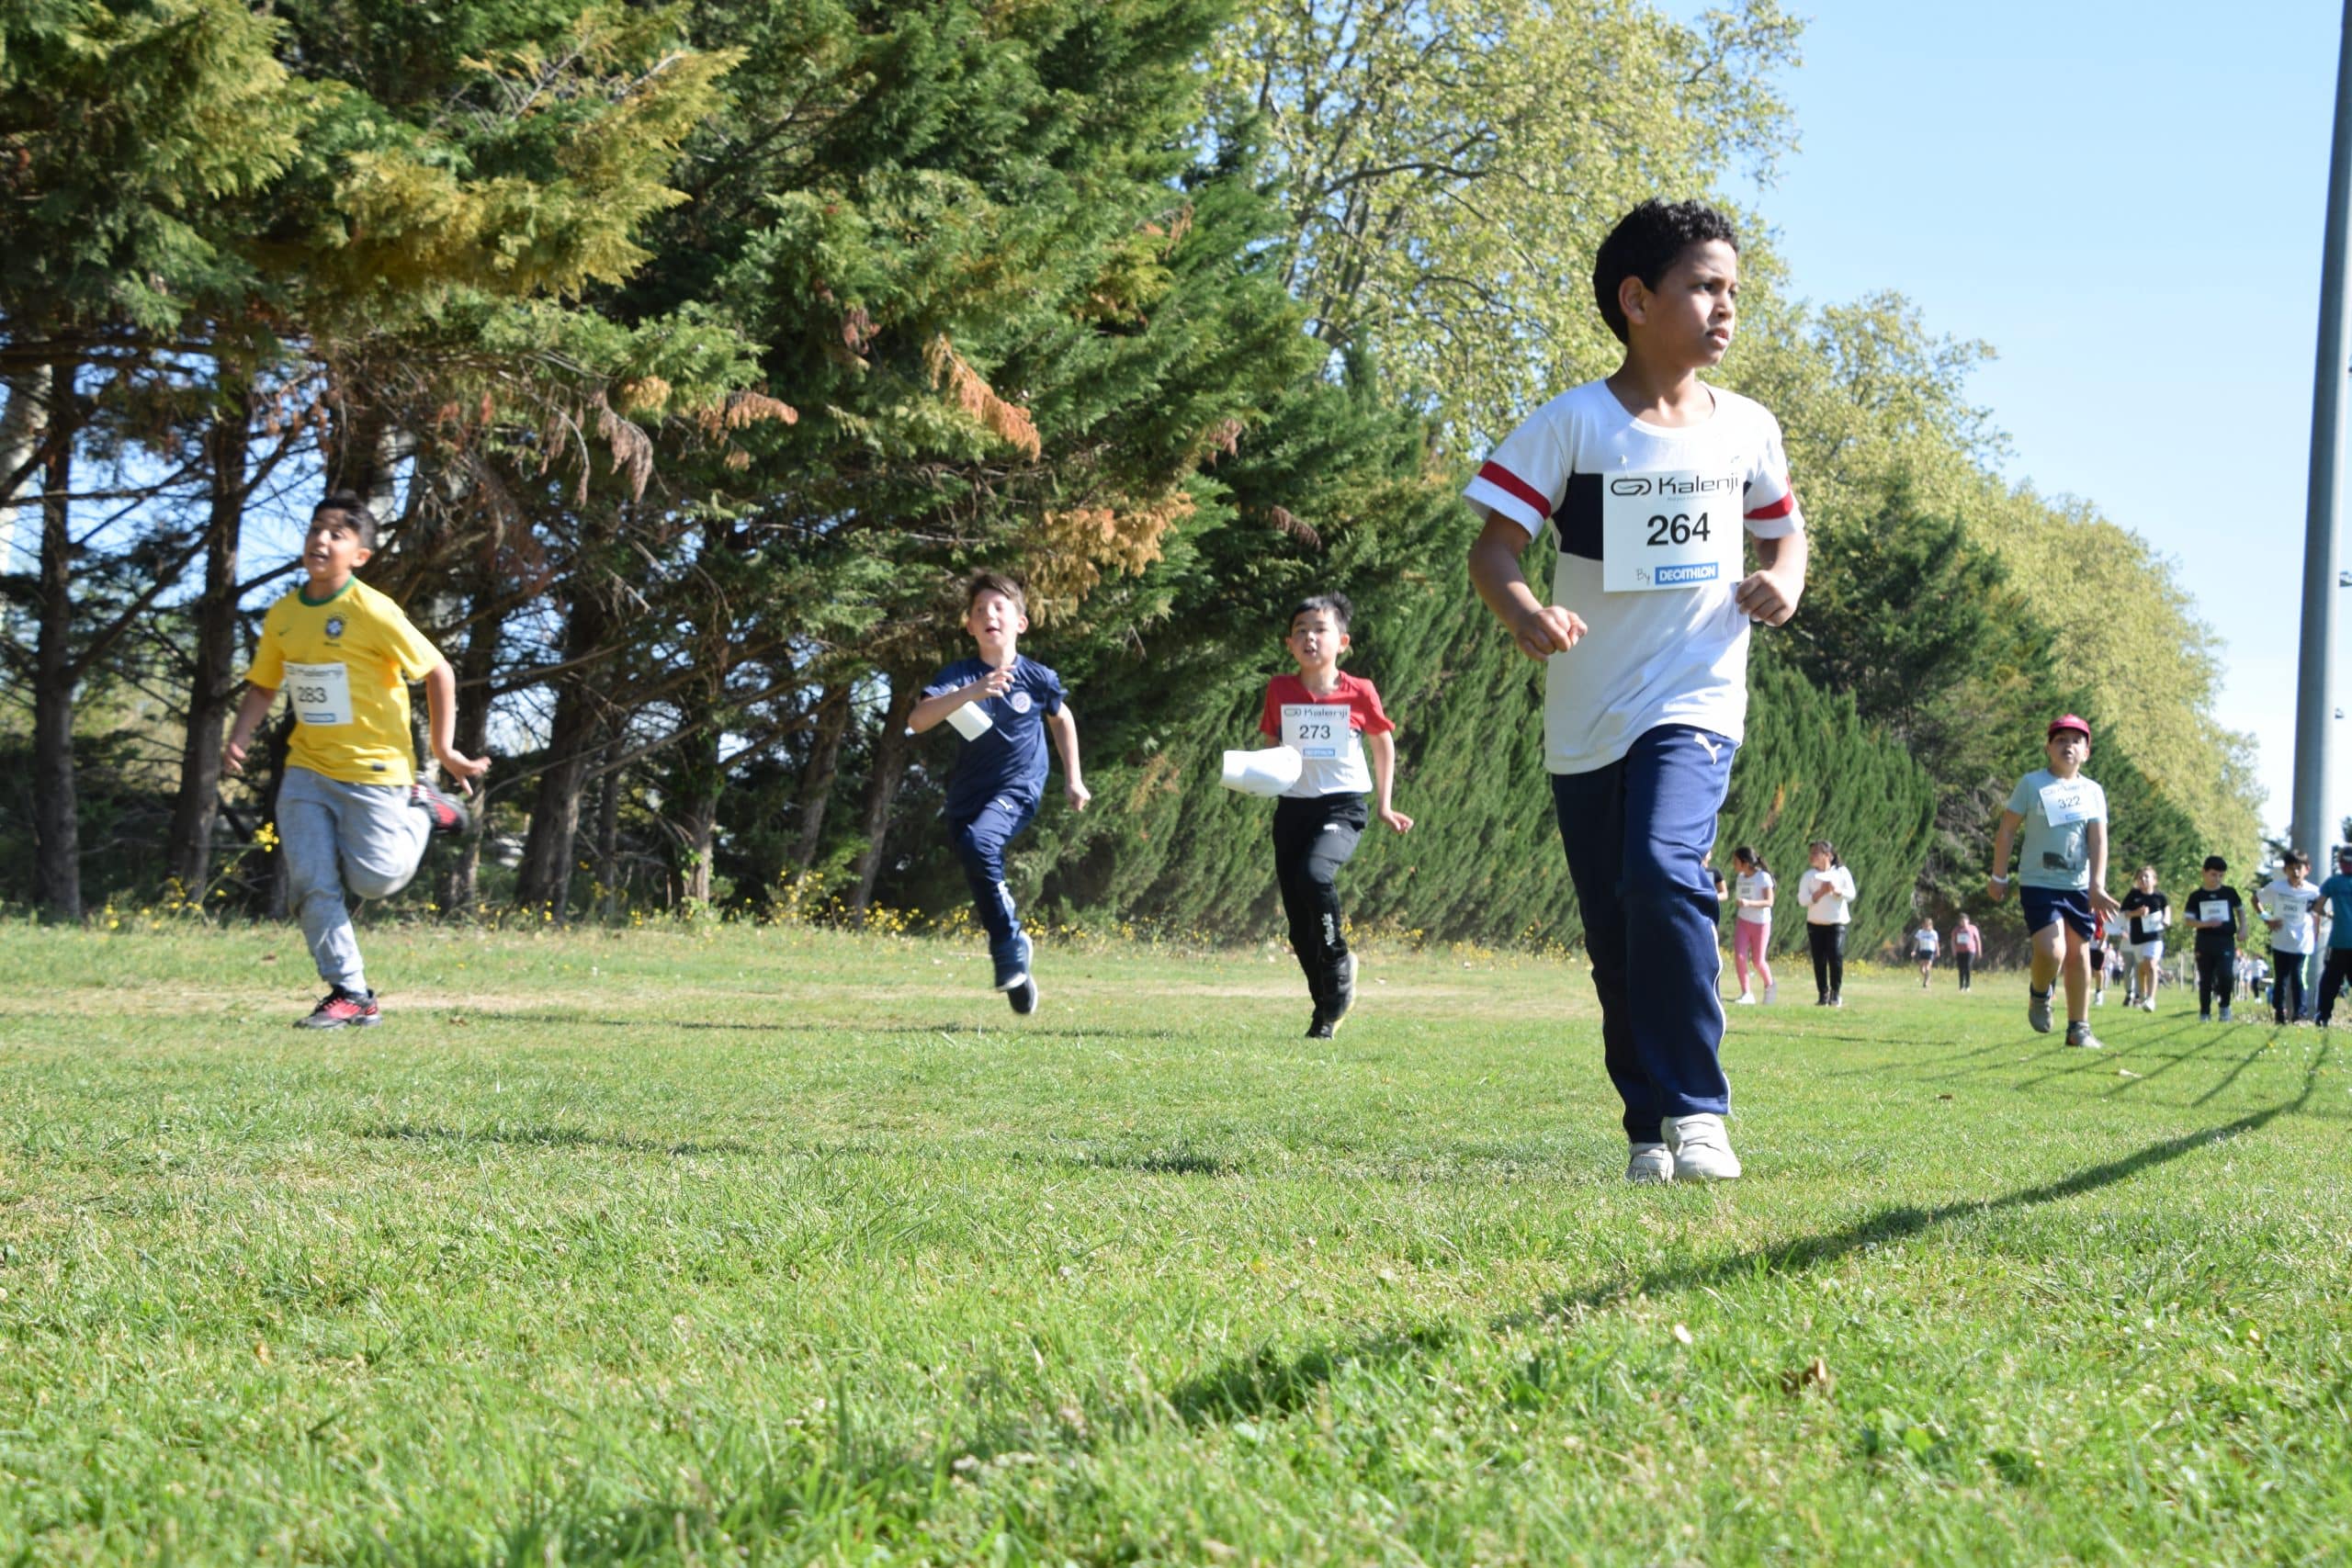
350, 811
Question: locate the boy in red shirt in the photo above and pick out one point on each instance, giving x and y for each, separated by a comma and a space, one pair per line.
1332, 720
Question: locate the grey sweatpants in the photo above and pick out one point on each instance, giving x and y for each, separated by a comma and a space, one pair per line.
363, 837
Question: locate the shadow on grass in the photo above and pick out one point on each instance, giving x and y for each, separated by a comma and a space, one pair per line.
538, 1137
952, 1030
1899, 1223
818, 1494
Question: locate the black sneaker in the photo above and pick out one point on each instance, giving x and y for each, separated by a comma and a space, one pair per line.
1023, 996
340, 1009
1339, 990
1320, 1028
447, 816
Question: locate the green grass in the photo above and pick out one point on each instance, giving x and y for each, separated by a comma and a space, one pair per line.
789, 1245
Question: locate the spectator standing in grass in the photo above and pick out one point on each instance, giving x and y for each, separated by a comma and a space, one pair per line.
1967, 942
1826, 891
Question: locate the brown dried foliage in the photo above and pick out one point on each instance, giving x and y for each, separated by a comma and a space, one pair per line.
1010, 423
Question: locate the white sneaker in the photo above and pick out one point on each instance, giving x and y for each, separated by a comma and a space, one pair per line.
2037, 1009
1651, 1163
1771, 992
1745, 999
2079, 1035
1701, 1150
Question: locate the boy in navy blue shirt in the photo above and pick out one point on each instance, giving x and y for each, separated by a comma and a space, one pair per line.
1001, 706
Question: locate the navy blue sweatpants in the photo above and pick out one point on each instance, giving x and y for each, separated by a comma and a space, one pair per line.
980, 843
1637, 833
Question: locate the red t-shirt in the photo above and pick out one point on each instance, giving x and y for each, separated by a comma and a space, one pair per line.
1334, 751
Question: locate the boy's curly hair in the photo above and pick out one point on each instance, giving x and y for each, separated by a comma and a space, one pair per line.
1645, 243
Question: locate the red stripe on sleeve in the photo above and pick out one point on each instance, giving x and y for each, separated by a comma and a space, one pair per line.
1779, 508
1504, 480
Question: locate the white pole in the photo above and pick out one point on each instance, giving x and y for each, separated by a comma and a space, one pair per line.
2319, 811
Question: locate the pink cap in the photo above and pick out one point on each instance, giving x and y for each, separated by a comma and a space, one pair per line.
2067, 721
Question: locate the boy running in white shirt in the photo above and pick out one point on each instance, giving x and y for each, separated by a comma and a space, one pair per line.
2061, 874
1923, 942
1651, 481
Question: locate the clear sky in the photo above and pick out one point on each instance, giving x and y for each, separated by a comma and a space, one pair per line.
2126, 200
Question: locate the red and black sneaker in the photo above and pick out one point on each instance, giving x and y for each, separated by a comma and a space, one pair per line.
448, 817
340, 1009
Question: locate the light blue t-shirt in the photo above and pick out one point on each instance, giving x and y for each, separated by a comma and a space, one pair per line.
2058, 813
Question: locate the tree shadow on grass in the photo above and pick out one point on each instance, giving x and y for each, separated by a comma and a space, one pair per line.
544, 1137
1899, 1223
951, 1031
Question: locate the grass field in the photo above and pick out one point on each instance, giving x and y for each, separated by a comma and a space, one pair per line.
788, 1245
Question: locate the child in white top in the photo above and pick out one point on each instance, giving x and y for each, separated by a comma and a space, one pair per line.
1826, 891
1653, 481
1752, 929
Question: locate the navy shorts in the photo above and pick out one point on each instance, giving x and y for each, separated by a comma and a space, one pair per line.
2043, 905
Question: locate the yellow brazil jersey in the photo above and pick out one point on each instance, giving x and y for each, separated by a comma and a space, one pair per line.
347, 664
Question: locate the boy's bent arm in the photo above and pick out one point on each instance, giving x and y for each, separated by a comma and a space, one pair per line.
1540, 630
441, 728
250, 713
931, 710
1063, 728
1769, 594
1382, 747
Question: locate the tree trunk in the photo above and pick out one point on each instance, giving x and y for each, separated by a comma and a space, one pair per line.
461, 884
817, 779
544, 880
22, 427
608, 831
57, 828
213, 690
696, 784
890, 750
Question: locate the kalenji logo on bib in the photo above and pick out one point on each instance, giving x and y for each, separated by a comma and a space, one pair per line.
1697, 571
1678, 485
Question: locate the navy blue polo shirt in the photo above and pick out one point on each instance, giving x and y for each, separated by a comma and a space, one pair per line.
1010, 760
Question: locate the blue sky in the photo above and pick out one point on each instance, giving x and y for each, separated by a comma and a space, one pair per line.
2126, 201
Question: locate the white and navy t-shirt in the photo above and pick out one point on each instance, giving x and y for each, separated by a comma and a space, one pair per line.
1650, 522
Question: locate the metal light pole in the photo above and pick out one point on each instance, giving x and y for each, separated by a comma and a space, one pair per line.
2319, 696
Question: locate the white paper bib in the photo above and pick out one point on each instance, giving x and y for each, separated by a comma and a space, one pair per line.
2213, 909
1673, 528
321, 692
1320, 730
2066, 800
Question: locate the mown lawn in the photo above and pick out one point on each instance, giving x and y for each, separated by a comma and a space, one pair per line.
788, 1245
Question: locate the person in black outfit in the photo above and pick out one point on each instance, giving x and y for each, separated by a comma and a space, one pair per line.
2217, 915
